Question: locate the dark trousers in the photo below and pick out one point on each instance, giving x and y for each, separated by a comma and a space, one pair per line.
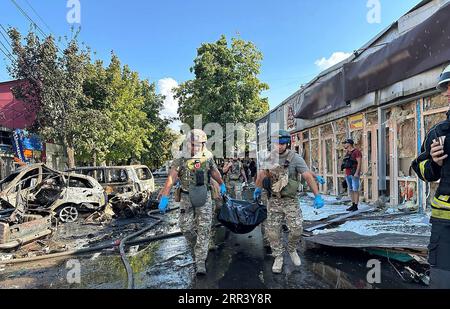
439, 254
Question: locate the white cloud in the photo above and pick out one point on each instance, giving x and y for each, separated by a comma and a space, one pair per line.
170, 109
335, 58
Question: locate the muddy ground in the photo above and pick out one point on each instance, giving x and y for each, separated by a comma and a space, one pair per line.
240, 262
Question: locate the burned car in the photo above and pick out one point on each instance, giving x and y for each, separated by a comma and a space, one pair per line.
38, 188
123, 180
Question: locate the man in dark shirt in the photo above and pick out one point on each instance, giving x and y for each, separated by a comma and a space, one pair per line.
352, 165
253, 170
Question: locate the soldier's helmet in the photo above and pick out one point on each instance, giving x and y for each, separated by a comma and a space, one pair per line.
281, 137
197, 136
444, 79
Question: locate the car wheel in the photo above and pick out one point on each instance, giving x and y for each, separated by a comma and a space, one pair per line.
68, 214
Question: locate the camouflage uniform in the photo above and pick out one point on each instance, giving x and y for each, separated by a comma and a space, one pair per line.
284, 208
234, 186
195, 223
279, 209
216, 204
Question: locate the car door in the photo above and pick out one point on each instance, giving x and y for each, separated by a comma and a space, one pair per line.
81, 190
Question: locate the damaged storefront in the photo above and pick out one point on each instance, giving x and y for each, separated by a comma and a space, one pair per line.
401, 134
384, 97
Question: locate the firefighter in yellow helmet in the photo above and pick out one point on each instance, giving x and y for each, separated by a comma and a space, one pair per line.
193, 170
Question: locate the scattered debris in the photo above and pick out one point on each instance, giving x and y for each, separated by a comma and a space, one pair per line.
95, 256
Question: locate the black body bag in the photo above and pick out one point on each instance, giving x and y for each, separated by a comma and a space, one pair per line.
241, 217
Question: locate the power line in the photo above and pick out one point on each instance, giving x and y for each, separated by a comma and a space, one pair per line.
28, 17
37, 14
7, 53
5, 35
24, 13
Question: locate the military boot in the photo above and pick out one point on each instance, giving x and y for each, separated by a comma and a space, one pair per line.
277, 267
295, 258
201, 268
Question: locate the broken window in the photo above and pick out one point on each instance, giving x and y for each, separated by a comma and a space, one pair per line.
369, 189
330, 186
407, 191
143, 173
305, 135
75, 182
369, 153
327, 130
315, 156
5, 182
435, 102
388, 189
431, 120
340, 151
117, 175
406, 143
341, 126
329, 156
371, 119
357, 138
97, 174
388, 152
342, 184
30, 179
306, 153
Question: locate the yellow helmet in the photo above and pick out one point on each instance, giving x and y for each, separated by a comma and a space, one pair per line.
198, 136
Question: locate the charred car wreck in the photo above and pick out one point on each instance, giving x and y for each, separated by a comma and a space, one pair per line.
35, 198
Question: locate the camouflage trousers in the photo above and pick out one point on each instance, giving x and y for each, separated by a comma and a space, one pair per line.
234, 189
216, 204
289, 210
195, 224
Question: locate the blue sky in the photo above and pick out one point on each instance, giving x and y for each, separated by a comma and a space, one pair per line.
159, 38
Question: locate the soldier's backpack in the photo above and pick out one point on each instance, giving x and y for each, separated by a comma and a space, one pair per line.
241, 217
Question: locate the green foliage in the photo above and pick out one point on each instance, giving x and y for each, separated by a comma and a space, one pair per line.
53, 86
226, 88
98, 113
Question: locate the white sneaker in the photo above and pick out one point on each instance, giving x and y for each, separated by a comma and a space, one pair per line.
295, 258
277, 267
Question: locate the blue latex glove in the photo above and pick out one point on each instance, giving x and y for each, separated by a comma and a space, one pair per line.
257, 193
163, 203
318, 202
223, 189
320, 180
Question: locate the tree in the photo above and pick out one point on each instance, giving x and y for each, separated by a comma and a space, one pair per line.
158, 146
131, 130
53, 87
98, 113
226, 88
